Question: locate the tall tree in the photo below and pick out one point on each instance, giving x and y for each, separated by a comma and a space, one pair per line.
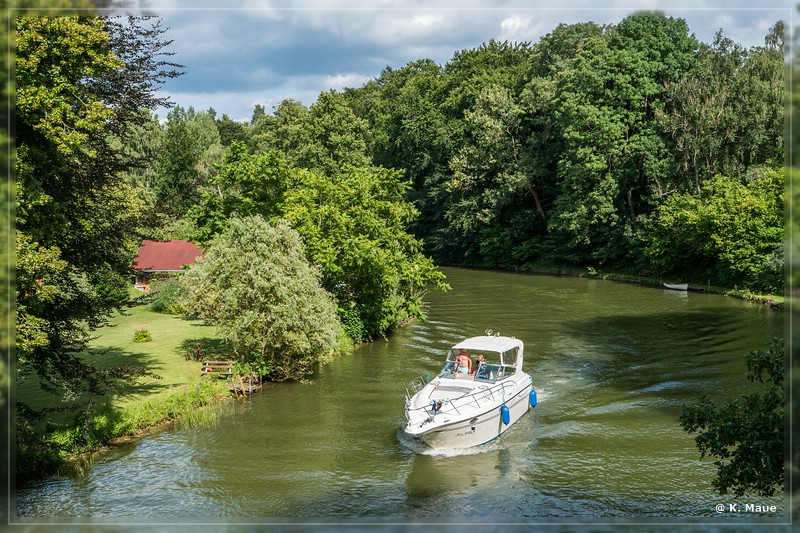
613, 157
324, 137
700, 116
479, 100
353, 224
726, 115
231, 130
409, 131
488, 177
286, 130
82, 83
187, 136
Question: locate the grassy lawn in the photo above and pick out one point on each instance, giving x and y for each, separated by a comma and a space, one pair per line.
177, 392
164, 356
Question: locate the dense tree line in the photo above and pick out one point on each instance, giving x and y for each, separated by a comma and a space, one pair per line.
566, 151
630, 146
598, 146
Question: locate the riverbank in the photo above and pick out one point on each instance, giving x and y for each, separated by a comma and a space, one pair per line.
201, 409
772, 300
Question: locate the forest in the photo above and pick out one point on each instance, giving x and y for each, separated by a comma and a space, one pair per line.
631, 147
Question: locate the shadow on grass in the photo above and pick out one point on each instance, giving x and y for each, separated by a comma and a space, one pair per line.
205, 349
126, 373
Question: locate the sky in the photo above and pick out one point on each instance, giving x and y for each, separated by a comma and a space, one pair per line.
241, 53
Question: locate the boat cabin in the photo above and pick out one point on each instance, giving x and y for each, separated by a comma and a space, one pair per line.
485, 359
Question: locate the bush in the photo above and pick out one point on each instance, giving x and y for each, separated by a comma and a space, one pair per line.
166, 296
142, 335
731, 233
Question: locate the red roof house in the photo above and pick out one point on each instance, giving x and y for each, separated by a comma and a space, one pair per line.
163, 256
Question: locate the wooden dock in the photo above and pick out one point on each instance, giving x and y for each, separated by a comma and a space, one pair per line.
241, 386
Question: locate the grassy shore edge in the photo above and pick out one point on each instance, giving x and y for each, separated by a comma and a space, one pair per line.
773, 300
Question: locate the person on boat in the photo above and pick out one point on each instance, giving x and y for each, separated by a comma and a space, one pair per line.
464, 361
480, 360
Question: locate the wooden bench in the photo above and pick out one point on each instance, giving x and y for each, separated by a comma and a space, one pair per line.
218, 368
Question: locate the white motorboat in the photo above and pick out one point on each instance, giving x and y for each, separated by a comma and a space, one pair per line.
467, 406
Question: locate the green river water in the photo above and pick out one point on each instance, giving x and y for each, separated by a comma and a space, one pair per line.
612, 364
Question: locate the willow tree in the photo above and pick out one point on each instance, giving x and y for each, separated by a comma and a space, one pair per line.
257, 287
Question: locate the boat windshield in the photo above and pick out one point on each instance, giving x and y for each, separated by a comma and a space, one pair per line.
486, 366
452, 368
490, 373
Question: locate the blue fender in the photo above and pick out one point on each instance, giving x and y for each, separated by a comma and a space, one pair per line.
505, 414
533, 399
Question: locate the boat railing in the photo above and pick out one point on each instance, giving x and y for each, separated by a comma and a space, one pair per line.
488, 394
479, 396
414, 386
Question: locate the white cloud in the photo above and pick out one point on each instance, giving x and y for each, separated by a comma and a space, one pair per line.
259, 52
340, 81
519, 29
514, 25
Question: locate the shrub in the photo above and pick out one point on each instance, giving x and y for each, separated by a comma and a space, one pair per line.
142, 335
257, 287
166, 296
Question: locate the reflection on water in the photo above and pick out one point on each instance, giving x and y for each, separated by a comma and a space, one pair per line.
612, 365
433, 473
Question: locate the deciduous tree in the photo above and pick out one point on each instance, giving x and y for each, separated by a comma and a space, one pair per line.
353, 224
257, 287
732, 233
82, 83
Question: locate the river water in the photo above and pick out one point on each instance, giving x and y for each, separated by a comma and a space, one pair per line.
612, 364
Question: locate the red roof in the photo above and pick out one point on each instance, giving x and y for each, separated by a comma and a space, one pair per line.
165, 255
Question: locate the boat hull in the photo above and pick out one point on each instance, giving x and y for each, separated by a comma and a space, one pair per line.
479, 429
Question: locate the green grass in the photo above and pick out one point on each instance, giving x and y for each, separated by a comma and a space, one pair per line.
175, 392
164, 356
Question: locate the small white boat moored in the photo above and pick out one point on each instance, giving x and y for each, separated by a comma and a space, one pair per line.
480, 393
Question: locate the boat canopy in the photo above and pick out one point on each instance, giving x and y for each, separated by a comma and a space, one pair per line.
490, 344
